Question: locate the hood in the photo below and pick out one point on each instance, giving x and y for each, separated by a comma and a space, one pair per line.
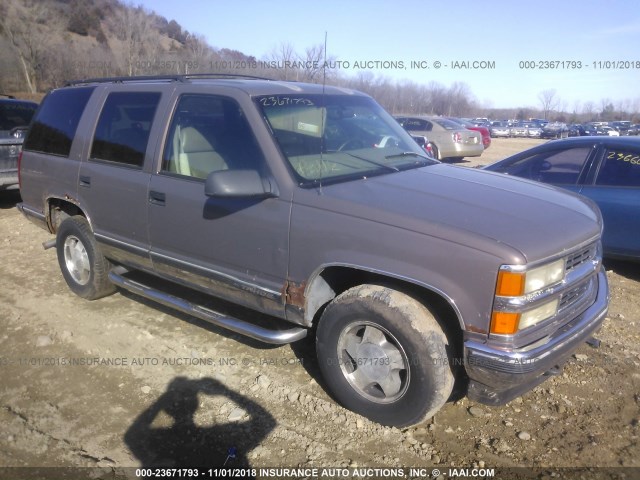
509, 217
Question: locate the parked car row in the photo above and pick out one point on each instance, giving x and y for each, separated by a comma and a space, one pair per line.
582, 130
528, 129
555, 130
588, 129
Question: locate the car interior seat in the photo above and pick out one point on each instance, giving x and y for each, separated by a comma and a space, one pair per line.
196, 156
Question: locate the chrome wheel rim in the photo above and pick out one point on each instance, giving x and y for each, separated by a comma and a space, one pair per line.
373, 362
76, 259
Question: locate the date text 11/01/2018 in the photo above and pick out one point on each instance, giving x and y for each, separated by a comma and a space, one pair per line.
579, 65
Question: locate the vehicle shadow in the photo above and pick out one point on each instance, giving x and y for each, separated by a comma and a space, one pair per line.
9, 199
626, 268
454, 160
186, 444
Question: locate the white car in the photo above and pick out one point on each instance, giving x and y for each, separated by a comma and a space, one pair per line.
612, 132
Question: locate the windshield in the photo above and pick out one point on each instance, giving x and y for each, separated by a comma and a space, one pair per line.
329, 138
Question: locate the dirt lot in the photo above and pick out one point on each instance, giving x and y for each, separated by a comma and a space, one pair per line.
119, 382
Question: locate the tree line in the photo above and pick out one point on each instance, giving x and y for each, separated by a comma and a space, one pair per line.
44, 43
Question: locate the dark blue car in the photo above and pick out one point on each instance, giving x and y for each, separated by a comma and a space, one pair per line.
605, 169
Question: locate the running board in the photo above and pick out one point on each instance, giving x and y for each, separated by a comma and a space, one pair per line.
256, 332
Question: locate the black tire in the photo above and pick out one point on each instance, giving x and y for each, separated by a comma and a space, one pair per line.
434, 150
398, 348
83, 266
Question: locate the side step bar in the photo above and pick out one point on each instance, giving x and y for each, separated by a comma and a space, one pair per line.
256, 332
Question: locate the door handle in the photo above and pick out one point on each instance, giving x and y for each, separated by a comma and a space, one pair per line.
85, 181
157, 198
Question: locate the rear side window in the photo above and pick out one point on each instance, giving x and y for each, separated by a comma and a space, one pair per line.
56, 121
123, 129
620, 168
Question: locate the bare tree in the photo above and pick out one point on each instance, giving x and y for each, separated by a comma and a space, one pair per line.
282, 58
459, 98
133, 28
549, 101
588, 110
28, 39
313, 63
198, 52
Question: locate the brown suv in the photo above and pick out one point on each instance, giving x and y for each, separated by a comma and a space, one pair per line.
312, 205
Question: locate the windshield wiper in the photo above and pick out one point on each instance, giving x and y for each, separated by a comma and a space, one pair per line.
373, 162
407, 154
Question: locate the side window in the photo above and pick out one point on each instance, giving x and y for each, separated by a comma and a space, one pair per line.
620, 168
556, 166
123, 128
56, 121
209, 133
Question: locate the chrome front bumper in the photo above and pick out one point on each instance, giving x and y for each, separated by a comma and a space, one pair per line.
499, 375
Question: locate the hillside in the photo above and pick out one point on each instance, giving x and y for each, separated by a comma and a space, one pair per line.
47, 42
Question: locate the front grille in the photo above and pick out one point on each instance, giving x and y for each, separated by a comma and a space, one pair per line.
574, 294
580, 257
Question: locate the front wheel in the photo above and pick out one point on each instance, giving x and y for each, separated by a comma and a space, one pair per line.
383, 355
83, 266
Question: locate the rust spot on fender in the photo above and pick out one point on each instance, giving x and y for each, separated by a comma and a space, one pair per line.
71, 199
294, 293
471, 328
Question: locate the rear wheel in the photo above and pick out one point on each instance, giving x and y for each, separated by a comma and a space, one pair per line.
82, 264
434, 151
384, 355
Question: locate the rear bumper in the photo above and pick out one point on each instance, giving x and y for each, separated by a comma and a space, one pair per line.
497, 375
464, 150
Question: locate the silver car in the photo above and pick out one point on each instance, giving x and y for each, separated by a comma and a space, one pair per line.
15, 116
448, 139
499, 129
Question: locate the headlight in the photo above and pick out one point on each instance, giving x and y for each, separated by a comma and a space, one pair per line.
514, 283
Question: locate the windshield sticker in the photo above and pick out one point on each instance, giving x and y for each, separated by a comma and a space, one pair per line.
280, 101
308, 127
624, 157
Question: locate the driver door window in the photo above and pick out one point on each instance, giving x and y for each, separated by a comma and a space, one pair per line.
208, 134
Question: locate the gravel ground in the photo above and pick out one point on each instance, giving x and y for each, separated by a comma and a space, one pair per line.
120, 382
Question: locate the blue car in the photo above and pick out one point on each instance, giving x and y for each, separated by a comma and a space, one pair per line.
605, 169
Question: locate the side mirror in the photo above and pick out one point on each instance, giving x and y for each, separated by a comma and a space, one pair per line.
238, 184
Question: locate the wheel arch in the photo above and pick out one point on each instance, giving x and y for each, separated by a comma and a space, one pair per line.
330, 281
58, 209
